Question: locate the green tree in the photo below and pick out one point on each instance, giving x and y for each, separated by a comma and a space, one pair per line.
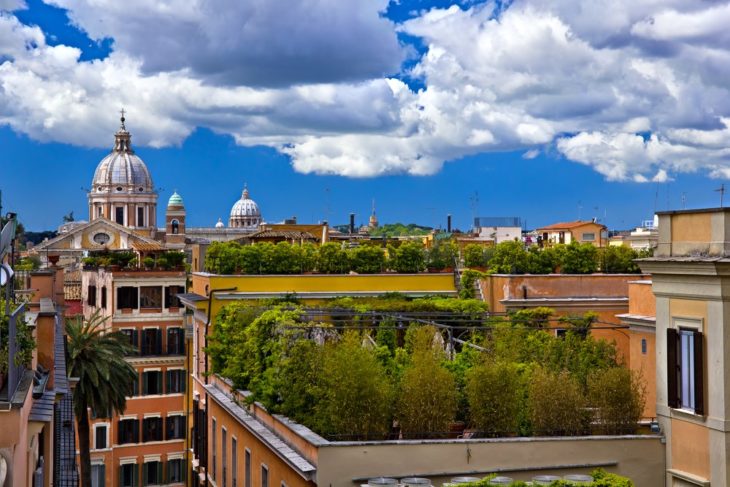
308, 253
556, 404
580, 258
332, 259
533, 317
409, 257
618, 396
495, 392
475, 256
355, 391
618, 260
96, 358
367, 259
428, 399
442, 255
510, 258
286, 259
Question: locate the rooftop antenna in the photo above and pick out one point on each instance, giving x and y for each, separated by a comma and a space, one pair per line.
580, 210
684, 200
721, 190
474, 202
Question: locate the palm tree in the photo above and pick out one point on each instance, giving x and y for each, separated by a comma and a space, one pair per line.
96, 358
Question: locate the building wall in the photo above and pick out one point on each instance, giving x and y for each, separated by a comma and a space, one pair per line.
638, 457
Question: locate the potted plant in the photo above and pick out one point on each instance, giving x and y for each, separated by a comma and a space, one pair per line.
148, 262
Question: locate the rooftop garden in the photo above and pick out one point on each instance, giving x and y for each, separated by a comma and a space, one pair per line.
24, 340
386, 369
574, 258
129, 260
329, 258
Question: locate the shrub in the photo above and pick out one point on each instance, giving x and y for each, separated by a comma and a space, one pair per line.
510, 258
332, 259
533, 318
469, 279
367, 259
356, 394
494, 392
556, 404
618, 396
149, 262
428, 397
442, 255
618, 259
580, 259
475, 256
409, 257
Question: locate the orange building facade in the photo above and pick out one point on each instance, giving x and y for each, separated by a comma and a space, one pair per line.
146, 445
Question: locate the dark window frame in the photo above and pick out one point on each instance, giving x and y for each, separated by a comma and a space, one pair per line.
685, 364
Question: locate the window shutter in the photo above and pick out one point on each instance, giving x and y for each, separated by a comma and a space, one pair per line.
135, 341
135, 431
120, 435
159, 473
168, 381
672, 368
182, 376
136, 475
158, 342
699, 373
170, 347
121, 475
145, 478
145, 383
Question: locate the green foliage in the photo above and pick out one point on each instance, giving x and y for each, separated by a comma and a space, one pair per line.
442, 255
533, 317
409, 257
24, 341
495, 393
400, 230
428, 398
468, 279
618, 260
29, 263
556, 404
510, 258
476, 255
333, 259
148, 262
355, 394
618, 395
580, 258
601, 478
367, 259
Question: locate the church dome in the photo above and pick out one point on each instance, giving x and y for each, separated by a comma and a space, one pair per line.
219, 224
175, 200
245, 213
122, 170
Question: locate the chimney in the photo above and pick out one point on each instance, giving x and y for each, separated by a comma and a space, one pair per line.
448, 223
352, 223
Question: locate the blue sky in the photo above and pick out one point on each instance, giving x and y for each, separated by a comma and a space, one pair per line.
445, 109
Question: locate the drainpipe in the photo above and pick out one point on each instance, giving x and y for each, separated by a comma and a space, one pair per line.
207, 324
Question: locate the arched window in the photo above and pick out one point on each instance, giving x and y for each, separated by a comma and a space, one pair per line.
175, 227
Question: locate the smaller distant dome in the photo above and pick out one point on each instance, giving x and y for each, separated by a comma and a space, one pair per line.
175, 200
219, 224
245, 213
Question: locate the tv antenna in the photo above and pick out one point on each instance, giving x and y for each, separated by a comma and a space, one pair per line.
721, 190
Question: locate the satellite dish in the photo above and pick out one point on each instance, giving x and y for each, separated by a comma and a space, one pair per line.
6, 273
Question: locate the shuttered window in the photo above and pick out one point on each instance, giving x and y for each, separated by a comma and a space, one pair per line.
685, 371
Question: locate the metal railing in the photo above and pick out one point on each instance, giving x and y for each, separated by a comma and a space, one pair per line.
15, 371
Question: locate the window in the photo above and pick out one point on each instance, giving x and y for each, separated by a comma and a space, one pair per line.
589, 237
175, 427
152, 429
119, 215
103, 297
215, 450
171, 292
140, 216
128, 430
175, 471
127, 297
98, 475
91, 298
151, 382
247, 473
128, 475
264, 476
643, 346
150, 297
135, 387
685, 369
175, 227
152, 341
133, 336
175, 381
152, 473
224, 458
100, 431
175, 341
234, 462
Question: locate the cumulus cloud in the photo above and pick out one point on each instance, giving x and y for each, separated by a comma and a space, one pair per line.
253, 42
636, 90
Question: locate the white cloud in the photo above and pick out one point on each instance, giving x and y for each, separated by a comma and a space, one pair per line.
636, 90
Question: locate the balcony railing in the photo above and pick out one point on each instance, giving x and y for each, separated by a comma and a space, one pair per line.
14, 371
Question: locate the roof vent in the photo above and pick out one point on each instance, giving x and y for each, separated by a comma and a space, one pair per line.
415, 482
464, 480
501, 481
382, 481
